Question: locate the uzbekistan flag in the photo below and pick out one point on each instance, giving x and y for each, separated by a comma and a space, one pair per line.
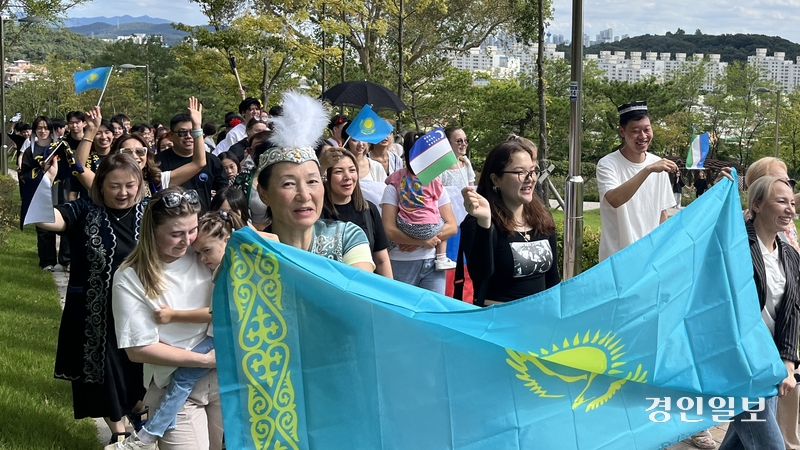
431, 155
91, 79
698, 150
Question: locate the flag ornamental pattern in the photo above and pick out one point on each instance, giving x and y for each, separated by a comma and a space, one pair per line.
91, 79
431, 155
698, 151
367, 126
315, 354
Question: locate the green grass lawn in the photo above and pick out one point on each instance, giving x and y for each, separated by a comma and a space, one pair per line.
35, 408
591, 218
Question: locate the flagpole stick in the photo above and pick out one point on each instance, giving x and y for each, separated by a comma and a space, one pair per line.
345, 142
105, 85
463, 175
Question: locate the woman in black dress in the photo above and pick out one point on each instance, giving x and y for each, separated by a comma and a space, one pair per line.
101, 232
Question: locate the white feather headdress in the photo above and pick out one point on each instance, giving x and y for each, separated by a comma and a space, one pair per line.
297, 131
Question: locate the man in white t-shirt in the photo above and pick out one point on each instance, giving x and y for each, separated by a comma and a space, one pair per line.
634, 186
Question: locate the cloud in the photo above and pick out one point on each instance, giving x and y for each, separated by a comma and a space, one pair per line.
769, 17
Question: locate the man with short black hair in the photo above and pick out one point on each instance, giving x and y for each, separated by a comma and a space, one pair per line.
76, 122
211, 178
634, 186
249, 108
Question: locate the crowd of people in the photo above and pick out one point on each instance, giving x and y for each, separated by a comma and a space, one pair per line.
145, 222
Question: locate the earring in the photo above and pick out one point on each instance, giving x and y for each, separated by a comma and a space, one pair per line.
494, 188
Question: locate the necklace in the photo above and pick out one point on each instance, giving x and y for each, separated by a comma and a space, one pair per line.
122, 216
524, 235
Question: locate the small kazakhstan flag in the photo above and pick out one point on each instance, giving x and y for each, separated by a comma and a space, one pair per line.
91, 79
368, 127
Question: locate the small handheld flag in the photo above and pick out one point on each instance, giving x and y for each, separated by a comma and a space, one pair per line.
698, 150
431, 155
368, 126
91, 79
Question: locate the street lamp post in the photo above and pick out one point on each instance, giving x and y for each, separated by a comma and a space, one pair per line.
3, 146
777, 115
146, 67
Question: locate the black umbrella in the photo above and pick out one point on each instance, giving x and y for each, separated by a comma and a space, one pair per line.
360, 93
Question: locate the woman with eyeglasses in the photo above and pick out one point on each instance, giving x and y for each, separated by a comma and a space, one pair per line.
509, 237
102, 229
135, 145
460, 174
164, 273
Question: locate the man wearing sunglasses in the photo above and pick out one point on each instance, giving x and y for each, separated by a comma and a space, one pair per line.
248, 108
211, 178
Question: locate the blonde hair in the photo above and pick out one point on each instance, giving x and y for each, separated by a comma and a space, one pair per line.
760, 190
760, 168
144, 258
218, 224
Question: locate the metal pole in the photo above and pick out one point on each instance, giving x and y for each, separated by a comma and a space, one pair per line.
4, 162
147, 76
573, 214
777, 123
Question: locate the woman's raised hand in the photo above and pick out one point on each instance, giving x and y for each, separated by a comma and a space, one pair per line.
93, 119
476, 205
196, 113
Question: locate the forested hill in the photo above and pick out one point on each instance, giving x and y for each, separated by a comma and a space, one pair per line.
731, 47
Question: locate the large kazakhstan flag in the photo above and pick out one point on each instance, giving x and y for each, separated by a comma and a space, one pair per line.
313, 354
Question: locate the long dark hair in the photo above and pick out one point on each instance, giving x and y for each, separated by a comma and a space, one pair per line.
534, 212
359, 202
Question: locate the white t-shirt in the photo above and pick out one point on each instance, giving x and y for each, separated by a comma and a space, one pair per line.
376, 171
638, 216
775, 283
187, 285
236, 134
390, 197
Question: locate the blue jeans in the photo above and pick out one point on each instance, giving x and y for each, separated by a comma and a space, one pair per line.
421, 273
178, 390
755, 435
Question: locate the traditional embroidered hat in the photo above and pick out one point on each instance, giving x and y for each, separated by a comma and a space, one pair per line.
631, 107
297, 131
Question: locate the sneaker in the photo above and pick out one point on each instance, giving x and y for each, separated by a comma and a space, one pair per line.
131, 442
48, 268
445, 264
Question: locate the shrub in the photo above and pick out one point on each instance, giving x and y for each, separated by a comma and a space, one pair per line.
591, 247
9, 215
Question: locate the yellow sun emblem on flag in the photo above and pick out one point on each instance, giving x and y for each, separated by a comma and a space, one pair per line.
367, 126
578, 361
93, 77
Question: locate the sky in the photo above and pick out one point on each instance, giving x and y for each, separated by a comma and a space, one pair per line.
632, 17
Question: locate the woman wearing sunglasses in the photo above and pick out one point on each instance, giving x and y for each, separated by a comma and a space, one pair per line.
509, 237
161, 300
460, 174
102, 229
135, 145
